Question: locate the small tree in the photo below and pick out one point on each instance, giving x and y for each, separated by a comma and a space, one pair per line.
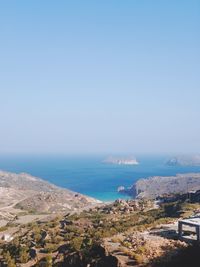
76, 243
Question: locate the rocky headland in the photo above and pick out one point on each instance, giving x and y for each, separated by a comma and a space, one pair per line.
157, 186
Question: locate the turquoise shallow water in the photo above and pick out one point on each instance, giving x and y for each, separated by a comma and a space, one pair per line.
88, 175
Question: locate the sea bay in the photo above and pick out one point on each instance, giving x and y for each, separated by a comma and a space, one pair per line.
88, 174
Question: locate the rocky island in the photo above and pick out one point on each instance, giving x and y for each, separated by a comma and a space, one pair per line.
184, 160
121, 160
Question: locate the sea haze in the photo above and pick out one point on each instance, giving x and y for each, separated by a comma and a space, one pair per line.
89, 175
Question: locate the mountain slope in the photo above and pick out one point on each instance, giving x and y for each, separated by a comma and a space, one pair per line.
31, 193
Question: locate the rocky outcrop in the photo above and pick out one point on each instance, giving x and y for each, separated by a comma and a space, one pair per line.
107, 261
99, 258
74, 260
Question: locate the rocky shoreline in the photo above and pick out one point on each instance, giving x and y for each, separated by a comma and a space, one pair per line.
157, 186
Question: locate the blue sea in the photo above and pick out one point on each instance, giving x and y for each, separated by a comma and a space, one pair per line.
88, 174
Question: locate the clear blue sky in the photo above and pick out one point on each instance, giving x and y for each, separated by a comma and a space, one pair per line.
99, 76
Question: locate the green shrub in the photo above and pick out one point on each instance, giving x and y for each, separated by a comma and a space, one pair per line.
23, 255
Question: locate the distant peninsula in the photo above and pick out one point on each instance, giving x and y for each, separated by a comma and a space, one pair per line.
184, 160
121, 160
157, 186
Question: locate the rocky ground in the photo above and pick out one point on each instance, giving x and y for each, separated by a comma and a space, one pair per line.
121, 234
143, 247
44, 225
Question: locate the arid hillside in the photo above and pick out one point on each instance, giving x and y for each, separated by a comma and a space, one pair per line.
23, 192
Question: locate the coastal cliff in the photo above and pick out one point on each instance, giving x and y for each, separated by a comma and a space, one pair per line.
156, 186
